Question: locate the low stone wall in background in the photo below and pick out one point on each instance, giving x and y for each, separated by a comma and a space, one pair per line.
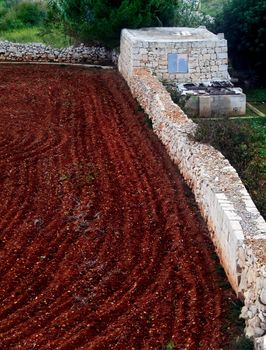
237, 229
14, 52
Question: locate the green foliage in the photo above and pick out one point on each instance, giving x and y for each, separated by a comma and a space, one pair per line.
256, 95
189, 14
101, 21
27, 21
54, 35
30, 14
51, 36
213, 7
170, 345
22, 35
21, 14
244, 145
244, 25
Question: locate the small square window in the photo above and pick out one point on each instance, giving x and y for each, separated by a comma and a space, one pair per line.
177, 63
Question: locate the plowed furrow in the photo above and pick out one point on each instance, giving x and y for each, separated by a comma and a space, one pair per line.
101, 244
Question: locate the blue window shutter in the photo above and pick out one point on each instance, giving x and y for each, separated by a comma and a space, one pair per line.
172, 63
177, 63
182, 65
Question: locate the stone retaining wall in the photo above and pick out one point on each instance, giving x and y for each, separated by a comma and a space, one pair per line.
237, 228
41, 53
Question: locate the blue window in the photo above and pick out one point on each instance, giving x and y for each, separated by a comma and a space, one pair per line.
177, 63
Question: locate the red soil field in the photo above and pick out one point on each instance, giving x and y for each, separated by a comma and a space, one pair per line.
101, 244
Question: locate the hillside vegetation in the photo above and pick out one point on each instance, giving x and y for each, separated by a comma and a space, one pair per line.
28, 21
213, 7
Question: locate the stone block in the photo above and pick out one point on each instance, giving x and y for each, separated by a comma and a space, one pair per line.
223, 68
221, 55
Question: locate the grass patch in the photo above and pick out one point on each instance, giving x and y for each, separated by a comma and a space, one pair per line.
258, 95
54, 37
22, 35
261, 106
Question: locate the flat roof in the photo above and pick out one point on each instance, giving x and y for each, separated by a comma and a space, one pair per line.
172, 34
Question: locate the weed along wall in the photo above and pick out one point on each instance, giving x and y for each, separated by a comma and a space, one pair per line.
237, 228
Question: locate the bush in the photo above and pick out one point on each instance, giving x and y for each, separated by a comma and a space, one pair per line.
9, 21
189, 15
101, 21
23, 14
30, 14
244, 147
244, 25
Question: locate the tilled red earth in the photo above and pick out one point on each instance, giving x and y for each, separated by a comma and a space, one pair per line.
101, 244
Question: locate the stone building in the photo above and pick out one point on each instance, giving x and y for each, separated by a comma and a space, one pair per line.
193, 60
175, 54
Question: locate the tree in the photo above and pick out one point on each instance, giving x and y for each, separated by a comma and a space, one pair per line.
101, 21
244, 25
16, 14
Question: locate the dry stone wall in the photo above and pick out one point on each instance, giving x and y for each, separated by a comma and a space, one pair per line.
237, 228
14, 52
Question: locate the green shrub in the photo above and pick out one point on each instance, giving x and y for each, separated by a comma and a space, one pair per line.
101, 21
23, 14
54, 35
30, 14
244, 25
